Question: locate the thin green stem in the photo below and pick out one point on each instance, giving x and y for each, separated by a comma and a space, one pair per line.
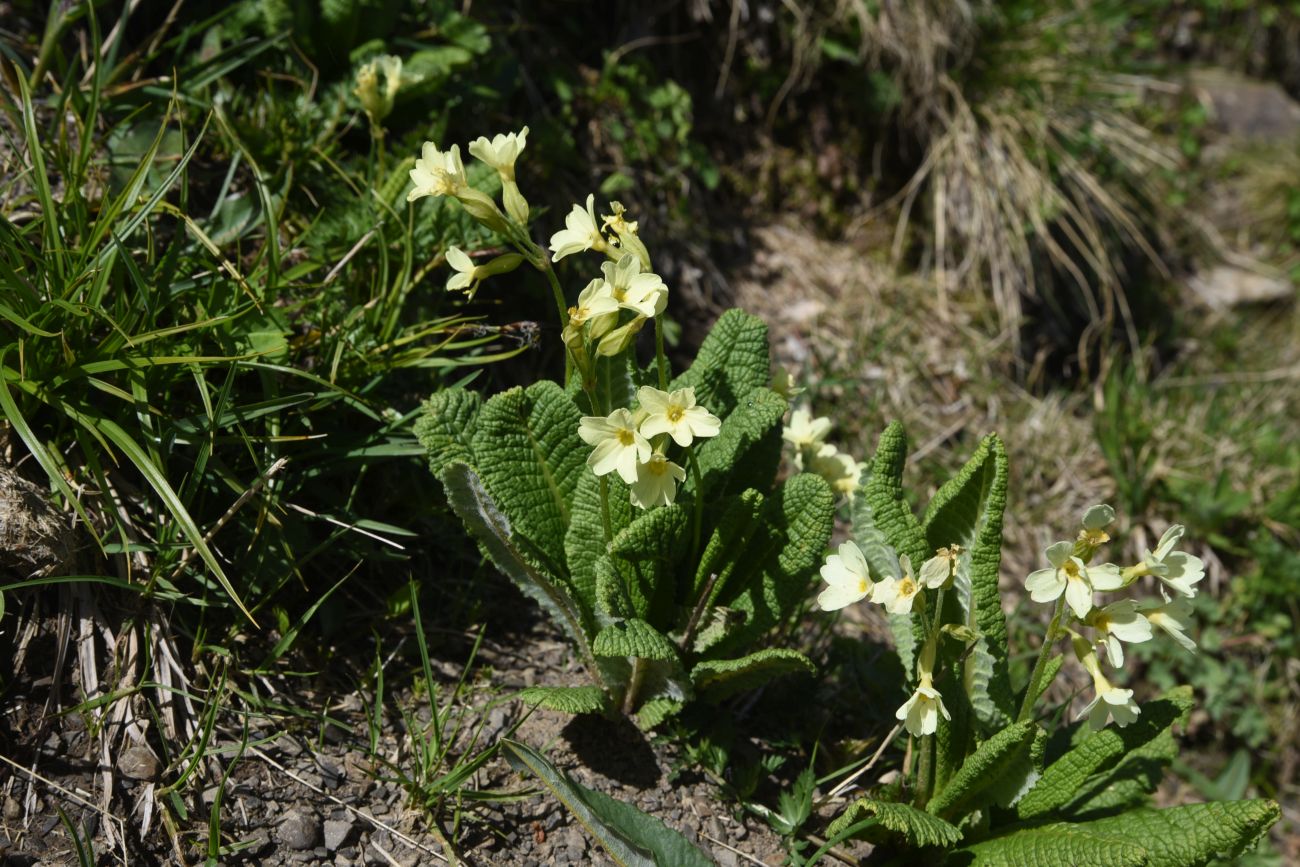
560, 307
1044, 653
633, 685
604, 510
925, 771
660, 359
699, 501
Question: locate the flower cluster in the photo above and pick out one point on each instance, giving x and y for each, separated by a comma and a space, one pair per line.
812, 453
1072, 582
848, 580
376, 99
634, 445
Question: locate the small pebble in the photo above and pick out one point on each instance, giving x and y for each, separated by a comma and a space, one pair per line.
299, 830
336, 831
138, 763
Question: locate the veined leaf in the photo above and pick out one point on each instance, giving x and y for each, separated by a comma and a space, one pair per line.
747, 451
584, 543
628, 835
718, 679
733, 361
1062, 779
971, 786
446, 427
741, 516
916, 827
567, 699
633, 637
1059, 845
513, 555
530, 458
647, 553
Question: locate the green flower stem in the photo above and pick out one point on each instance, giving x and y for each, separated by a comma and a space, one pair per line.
563, 311
924, 771
1049, 639
604, 510
660, 359
699, 501
937, 623
633, 685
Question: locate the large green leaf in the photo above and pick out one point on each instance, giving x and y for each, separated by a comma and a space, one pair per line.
633, 637
567, 699
747, 450
884, 504
914, 826
733, 360
647, 553
514, 555
717, 679
584, 543
530, 458
1185, 836
740, 517
974, 783
772, 576
628, 835
1062, 779
967, 511
446, 427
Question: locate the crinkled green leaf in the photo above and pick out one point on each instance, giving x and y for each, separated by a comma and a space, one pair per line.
1058, 845
612, 599
633, 637
1131, 782
584, 543
529, 455
512, 554
967, 511
747, 451
1062, 780
628, 835
655, 711
567, 699
1184, 836
741, 516
892, 516
972, 785
718, 679
781, 558
647, 553
916, 827
446, 427
882, 560
733, 360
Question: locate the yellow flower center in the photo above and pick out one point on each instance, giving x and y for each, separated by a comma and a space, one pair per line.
675, 413
625, 437
1071, 569
657, 465
907, 586
863, 585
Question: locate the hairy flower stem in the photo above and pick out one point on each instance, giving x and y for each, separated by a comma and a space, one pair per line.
1032, 688
925, 771
699, 502
604, 510
633, 685
660, 359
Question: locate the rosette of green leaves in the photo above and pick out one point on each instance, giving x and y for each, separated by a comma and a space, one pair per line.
659, 614
1005, 791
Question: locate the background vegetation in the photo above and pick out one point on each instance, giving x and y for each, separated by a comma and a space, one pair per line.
1076, 223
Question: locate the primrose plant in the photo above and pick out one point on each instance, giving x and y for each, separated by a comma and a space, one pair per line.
992, 776
640, 509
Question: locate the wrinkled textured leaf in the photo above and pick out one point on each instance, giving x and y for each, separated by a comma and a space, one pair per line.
733, 361
530, 458
629, 836
916, 827
647, 554
1061, 780
747, 451
741, 517
718, 679
446, 427
567, 699
971, 786
584, 543
633, 638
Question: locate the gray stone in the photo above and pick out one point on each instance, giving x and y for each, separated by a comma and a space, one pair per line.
138, 763
1247, 107
13, 809
299, 830
336, 832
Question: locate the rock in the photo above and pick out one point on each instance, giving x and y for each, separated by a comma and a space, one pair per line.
13, 809
138, 763
1225, 286
725, 857
258, 844
1244, 107
299, 830
35, 539
336, 832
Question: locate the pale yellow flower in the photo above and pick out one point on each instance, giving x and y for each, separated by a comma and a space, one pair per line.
1117, 623
501, 152
618, 446
920, 713
676, 414
437, 173
841, 471
804, 431
643, 293
897, 594
580, 232
1071, 576
656, 482
847, 576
